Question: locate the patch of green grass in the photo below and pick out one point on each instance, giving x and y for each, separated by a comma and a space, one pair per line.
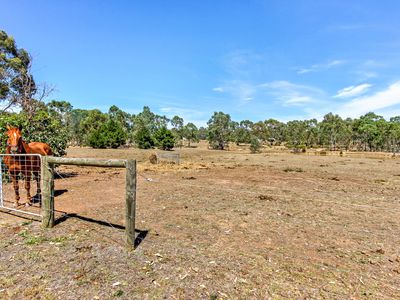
31, 239
60, 239
34, 240
23, 233
118, 293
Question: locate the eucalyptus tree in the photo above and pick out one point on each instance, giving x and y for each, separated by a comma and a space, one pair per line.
177, 128
17, 85
276, 130
394, 134
367, 130
260, 131
91, 123
242, 131
190, 133
301, 133
123, 118
331, 128
220, 128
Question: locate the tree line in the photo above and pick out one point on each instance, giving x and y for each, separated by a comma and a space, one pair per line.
60, 124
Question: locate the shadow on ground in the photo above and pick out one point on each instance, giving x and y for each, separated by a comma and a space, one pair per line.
140, 235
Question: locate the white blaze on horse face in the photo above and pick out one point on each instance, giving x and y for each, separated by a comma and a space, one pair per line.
14, 146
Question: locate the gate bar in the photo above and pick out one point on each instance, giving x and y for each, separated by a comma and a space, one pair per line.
48, 163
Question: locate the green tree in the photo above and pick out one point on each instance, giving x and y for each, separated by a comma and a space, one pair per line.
261, 131
17, 85
276, 131
296, 134
242, 131
332, 128
143, 138
368, 131
108, 135
94, 120
190, 133
164, 138
394, 134
220, 128
123, 118
76, 131
177, 128
255, 145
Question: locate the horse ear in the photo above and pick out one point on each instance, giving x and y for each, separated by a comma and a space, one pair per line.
8, 127
20, 127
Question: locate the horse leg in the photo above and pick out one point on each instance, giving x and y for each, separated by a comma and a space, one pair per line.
28, 189
38, 189
14, 179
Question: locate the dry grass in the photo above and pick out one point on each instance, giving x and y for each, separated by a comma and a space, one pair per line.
223, 224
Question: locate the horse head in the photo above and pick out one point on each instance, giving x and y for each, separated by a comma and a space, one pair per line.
14, 141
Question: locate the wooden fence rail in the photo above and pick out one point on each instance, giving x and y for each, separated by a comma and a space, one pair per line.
48, 163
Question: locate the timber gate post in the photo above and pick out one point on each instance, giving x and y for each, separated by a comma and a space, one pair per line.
47, 193
130, 202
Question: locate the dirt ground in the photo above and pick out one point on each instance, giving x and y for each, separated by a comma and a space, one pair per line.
222, 224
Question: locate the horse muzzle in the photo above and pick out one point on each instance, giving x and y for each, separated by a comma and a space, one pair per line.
14, 150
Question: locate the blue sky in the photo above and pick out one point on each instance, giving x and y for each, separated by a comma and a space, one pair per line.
253, 59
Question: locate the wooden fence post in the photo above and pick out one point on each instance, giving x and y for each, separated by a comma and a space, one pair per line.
130, 202
47, 194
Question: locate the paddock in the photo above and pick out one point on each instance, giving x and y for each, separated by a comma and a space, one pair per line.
221, 224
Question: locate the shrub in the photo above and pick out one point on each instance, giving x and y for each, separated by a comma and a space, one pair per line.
255, 145
164, 139
143, 138
109, 135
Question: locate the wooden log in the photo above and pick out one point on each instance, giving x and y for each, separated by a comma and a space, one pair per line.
90, 162
130, 202
47, 193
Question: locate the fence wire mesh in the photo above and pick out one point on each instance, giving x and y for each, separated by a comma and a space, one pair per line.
20, 183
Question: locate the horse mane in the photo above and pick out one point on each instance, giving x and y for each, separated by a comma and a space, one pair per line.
24, 145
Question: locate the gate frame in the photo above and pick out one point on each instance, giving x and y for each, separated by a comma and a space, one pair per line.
1, 183
48, 163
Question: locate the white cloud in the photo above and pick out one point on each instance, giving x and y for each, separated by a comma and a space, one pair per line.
285, 92
240, 90
299, 100
320, 67
352, 91
380, 100
293, 94
218, 89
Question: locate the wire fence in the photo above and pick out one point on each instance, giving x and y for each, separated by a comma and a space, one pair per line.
20, 183
95, 195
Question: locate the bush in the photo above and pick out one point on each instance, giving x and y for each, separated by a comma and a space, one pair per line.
164, 139
109, 135
143, 138
255, 145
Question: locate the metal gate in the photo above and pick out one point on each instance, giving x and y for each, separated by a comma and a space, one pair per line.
20, 176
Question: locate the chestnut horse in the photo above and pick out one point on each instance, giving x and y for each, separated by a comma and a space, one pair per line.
27, 165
